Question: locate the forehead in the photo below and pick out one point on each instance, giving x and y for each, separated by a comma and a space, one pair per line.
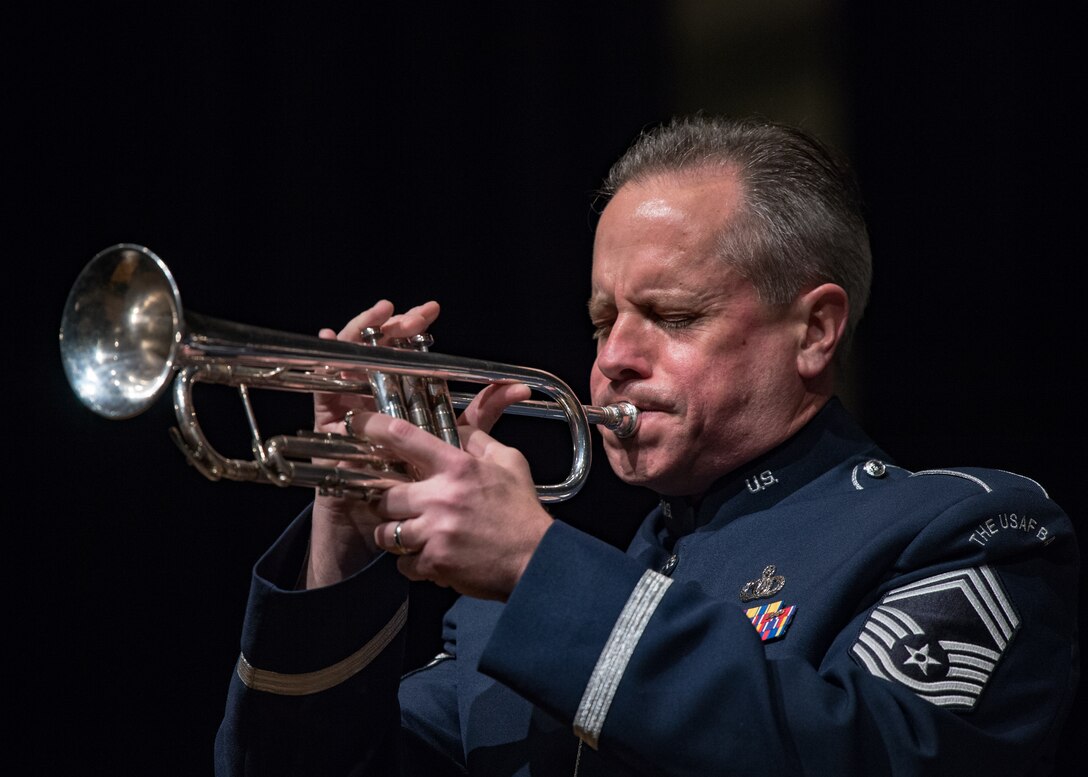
663, 233
709, 191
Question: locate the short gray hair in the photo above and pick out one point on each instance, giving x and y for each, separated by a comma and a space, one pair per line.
802, 224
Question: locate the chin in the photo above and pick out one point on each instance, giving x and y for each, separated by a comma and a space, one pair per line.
623, 458
632, 466
659, 477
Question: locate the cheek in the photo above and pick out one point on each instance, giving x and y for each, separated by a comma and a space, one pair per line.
695, 371
714, 387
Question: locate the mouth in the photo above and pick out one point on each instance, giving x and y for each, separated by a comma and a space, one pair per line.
624, 414
642, 404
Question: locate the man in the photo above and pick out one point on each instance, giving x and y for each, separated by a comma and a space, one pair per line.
797, 603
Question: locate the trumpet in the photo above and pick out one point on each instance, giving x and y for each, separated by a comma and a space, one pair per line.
124, 338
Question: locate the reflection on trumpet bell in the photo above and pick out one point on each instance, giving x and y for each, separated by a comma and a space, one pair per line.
124, 337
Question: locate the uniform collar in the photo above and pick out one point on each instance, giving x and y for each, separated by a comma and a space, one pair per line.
824, 442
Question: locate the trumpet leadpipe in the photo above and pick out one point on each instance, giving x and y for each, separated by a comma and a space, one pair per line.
620, 418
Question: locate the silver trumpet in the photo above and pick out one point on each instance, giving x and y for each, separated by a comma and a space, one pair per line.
123, 337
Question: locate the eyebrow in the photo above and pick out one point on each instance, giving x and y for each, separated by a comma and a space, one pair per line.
599, 304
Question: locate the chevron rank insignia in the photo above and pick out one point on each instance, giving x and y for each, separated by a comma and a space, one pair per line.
942, 637
771, 620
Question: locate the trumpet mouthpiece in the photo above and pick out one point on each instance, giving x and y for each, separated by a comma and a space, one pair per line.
621, 418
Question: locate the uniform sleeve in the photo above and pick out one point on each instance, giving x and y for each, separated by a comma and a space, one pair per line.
315, 687
669, 680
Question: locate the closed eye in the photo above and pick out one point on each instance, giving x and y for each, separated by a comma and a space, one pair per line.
602, 315
679, 322
672, 320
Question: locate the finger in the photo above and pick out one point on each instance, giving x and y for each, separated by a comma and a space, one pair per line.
487, 407
398, 537
397, 503
329, 406
412, 321
407, 442
374, 316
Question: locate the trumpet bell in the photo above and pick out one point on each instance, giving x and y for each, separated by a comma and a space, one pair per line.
119, 332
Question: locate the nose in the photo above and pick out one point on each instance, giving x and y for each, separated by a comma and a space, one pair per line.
624, 353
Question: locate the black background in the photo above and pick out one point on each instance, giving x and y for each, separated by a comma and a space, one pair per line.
292, 164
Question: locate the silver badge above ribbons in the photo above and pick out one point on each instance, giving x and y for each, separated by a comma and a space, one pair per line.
768, 585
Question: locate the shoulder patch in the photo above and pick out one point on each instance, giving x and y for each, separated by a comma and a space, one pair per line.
942, 637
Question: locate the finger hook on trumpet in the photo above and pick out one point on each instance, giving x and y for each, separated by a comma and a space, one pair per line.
124, 336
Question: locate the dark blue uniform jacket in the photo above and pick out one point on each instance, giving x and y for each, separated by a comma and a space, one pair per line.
821, 612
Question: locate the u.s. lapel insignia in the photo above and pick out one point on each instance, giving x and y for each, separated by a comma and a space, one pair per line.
768, 585
771, 620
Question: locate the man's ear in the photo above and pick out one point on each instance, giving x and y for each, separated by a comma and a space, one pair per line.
824, 310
